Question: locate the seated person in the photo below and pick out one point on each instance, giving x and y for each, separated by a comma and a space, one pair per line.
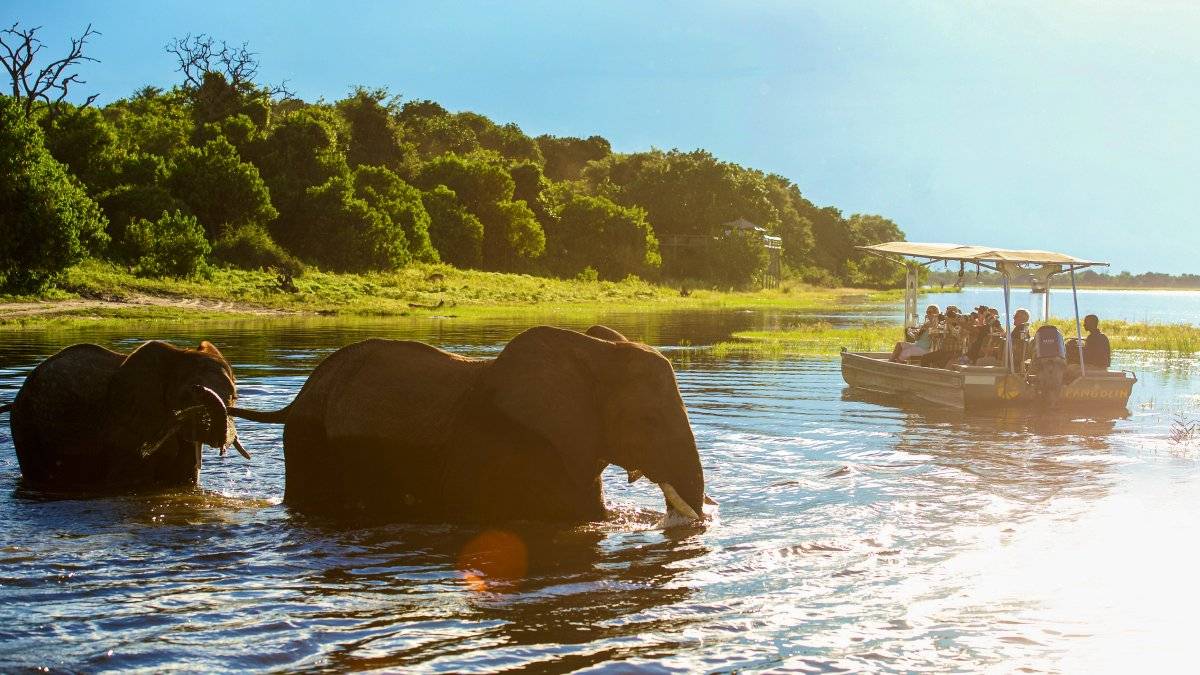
949, 343
1020, 338
921, 340
1097, 352
982, 338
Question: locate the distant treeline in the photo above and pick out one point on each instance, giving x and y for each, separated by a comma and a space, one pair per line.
1085, 278
223, 169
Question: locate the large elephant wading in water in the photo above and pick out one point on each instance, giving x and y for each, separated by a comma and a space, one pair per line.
90, 419
408, 431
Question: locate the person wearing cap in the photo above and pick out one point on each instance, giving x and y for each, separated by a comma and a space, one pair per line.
923, 339
950, 347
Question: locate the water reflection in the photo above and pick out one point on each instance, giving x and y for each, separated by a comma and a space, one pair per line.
852, 535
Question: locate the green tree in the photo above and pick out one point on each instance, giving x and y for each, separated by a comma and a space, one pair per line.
47, 221
455, 232
303, 150
220, 189
339, 231
86, 143
868, 270
593, 232
507, 140
435, 131
151, 122
512, 236
566, 156
385, 192
375, 136
174, 245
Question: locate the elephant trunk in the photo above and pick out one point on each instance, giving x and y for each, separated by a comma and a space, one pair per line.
682, 485
216, 427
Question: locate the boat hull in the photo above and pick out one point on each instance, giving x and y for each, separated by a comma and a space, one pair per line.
975, 387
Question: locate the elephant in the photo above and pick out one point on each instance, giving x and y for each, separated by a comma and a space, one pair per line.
89, 419
406, 431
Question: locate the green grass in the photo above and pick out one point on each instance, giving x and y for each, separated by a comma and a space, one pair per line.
823, 339
116, 294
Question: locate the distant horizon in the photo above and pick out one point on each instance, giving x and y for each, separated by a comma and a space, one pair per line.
1074, 120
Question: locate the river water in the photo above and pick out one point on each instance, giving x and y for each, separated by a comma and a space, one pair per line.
851, 535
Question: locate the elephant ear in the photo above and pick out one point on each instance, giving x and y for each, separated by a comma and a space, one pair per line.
209, 349
545, 381
137, 393
605, 333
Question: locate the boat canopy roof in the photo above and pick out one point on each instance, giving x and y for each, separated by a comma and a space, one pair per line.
979, 254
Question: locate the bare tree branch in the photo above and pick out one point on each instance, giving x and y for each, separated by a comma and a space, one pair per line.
20, 49
200, 54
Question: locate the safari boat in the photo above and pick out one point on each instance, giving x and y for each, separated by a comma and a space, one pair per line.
975, 387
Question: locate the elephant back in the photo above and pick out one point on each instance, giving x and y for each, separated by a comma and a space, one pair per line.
369, 415
59, 415
384, 388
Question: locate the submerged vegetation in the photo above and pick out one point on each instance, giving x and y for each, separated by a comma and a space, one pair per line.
822, 338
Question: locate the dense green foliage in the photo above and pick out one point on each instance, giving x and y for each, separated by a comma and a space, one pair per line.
172, 246
252, 248
47, 221
374, 183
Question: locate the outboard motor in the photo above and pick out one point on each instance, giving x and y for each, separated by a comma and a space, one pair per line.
1049, 363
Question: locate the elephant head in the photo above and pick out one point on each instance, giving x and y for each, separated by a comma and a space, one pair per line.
598, 401
169, 401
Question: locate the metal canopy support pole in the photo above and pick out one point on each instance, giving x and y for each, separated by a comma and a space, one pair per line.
1078, 327
1046, 303
1007, 324
910, 297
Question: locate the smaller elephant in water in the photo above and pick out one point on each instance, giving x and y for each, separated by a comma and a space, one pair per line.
407, 431
91, 419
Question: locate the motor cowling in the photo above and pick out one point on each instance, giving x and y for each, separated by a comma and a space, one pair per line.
1049, 363
1048, 343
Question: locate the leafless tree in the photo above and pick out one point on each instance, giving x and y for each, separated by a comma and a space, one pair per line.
200, 54
20, 47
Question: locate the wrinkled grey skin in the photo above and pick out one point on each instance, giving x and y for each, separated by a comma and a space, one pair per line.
85, 417
408, 431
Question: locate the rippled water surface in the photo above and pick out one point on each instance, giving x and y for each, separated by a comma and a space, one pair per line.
851, 535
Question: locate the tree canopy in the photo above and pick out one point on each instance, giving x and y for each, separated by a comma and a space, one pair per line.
375, 182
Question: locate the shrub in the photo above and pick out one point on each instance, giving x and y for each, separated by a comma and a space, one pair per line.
334, 228
593, 231
47, 221
221, 189
455, 232
174, 245
250, 247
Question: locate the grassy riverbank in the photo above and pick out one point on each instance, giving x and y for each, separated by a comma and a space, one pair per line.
95, 291
823, 339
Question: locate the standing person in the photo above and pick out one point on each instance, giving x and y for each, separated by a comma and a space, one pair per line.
1096, 349
1020, 338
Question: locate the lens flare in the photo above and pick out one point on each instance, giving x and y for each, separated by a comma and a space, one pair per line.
493, 560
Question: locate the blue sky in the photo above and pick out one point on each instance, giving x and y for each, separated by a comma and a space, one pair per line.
1064, 125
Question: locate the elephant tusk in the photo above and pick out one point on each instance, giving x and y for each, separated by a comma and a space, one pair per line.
634, 475
237, 445
149, 448
674, 501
